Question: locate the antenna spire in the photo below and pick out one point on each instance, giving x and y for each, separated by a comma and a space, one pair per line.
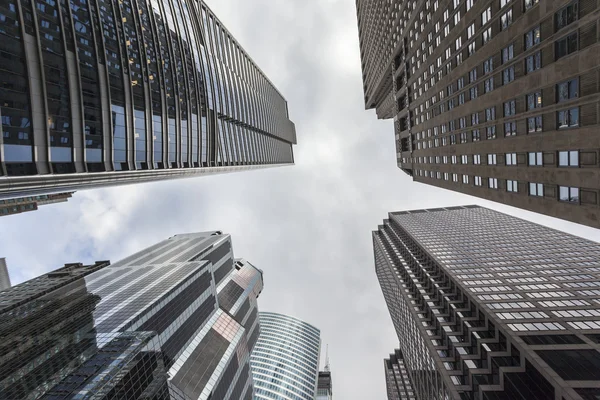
327, 366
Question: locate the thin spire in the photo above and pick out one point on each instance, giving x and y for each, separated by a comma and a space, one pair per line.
327, 367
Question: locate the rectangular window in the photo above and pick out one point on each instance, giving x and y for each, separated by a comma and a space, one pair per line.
530, 3
465, 179
533, 62
568, 194
493, 183
490, 114
508, 53
511, 158
490, 132
565, 46
486, 35
567, 90
471, 48
508, 75
535, 159
488, 85
464, 159
568, 158
510, 128
534, 100
477, 180
492, 159
566, 15
568, 118
455, 178
473, 92
486, 16
503, 3
534, 124
510, 108
463, 137
512, 186
532, 38
454, 159
453, 139
473, 75
469, 4
488, 65
475, 135
506, 19
475, 119
536, 189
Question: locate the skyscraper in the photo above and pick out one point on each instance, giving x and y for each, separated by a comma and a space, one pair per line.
108, 92
496, 99
285, 360
4, 277
397, 378
489, 306
324, 382
177, 320
31, 203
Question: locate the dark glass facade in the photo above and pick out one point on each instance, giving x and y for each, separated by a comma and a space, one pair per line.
148, 327
106, 92
492, 98
489, 306
397, 378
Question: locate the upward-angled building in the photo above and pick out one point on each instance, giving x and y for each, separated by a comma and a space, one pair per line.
487, 306
4, 276
31, 203
108, 92
397, 378
177, 320
493, 98
285, 360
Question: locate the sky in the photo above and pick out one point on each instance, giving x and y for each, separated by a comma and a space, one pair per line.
307, 226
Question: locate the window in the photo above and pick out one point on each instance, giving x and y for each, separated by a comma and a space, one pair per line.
568, 194
566, 16
463, 137
565, 46
488, 65
508, 53
510, 128
486, 35
536, 189
461, 98
471, 31
534, 100
458, 43
532, 38
492, 159
533, 62
506, 19
490, 114
567, 90
503, 3
486, 16
473, 75
475, 135
446, 176
490, 132
493, 183
568, 118
568, 158
464, 159
488, 85
453, 139
534, 124
511, 158
462, 122
469, 4
535, 159
477, 181
509, 108
445, 159
475, 119
508, 75
454, 160
530, 3
476, 159
465, 179
471, 48
473, 92
455, 178
512, 186
457, 18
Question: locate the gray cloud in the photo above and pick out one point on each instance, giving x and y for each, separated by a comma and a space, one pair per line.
307, 226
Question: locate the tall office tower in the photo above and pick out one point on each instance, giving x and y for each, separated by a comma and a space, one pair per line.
397, 378
4, 277
285, 360
489, 306
31, 203
324, 383
106, 92
496, 99
174, 321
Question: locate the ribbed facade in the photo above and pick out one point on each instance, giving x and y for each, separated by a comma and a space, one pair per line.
397, 379
492, 98
108, 92
487, 306
31, 203
174, 321
285, 360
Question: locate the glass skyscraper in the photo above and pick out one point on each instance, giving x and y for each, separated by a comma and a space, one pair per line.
175, 321
490, 306
285, 360
107, 92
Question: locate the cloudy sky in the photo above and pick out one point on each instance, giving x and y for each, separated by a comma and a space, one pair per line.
307, 226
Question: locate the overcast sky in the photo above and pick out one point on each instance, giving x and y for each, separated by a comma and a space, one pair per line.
307, 226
